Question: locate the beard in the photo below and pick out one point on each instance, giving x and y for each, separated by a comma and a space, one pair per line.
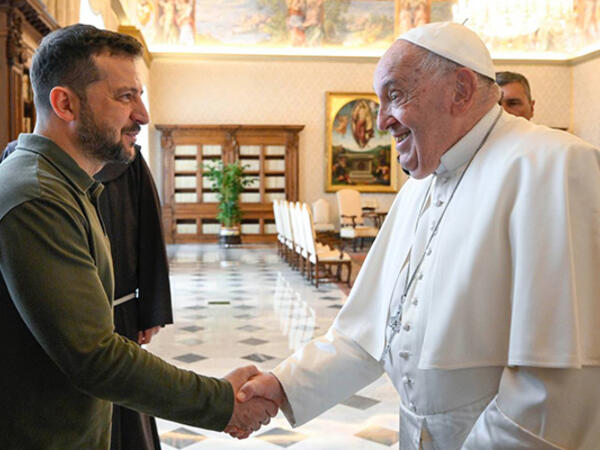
99, 142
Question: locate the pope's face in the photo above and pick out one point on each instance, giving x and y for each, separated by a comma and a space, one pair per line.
414, 107
515, 101
112, 113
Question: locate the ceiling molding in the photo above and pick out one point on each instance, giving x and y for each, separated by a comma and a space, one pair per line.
584, 58
166, 56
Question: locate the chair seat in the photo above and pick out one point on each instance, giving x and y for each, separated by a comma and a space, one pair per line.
330, 256
322, 247
359, 231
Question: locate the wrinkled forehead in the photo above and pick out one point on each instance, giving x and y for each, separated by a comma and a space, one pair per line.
400, 62
400, 52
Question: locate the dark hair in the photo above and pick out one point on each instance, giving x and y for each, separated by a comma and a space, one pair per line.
65, 58
503, 78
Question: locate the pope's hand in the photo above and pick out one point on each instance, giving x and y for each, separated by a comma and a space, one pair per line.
265, 385
250, 415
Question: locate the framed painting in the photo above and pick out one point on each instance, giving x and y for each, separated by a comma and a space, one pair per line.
359, 155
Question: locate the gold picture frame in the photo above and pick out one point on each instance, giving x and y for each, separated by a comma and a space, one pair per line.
359, 155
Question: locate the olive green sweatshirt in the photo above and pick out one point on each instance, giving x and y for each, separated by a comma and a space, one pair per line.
62, 362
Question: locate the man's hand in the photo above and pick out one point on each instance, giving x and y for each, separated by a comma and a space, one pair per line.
250, 415
144, 337
264, 385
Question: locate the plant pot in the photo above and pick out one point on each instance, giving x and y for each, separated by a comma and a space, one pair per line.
229, 236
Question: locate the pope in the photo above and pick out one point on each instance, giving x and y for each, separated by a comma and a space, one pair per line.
479, 297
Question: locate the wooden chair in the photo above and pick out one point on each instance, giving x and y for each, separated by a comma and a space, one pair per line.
352, 224
284, 214
279, 227
320, 210
321, 262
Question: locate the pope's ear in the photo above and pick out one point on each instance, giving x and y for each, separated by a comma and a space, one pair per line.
464, 90
65, 103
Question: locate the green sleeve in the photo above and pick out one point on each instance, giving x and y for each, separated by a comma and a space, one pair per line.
52, 276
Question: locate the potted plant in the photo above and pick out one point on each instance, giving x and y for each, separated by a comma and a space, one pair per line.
228, 181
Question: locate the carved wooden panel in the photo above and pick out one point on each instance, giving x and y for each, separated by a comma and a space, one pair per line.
21, 22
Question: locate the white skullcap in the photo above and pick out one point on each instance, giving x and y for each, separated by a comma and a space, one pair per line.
454, 42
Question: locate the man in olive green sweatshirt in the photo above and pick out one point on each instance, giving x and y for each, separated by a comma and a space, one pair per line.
63, 363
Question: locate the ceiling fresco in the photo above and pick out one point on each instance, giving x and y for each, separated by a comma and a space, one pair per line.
520, 28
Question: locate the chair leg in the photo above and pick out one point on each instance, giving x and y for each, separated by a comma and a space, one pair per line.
317, 274
349, 265
354, 245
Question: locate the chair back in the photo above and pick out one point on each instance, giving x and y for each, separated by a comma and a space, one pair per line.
370, 203
297, 226
349, 204
286, 221
309, 230
278, 226
320, 210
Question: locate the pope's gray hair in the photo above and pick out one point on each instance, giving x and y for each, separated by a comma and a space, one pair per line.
436, 66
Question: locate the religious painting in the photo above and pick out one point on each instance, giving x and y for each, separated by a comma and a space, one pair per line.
342, 25
588, 21
359, 155
411, 13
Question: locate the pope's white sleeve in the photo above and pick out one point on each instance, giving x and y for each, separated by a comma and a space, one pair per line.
324, 372
541, 408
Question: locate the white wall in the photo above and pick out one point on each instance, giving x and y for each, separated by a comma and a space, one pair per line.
261, 91
550, 88
586, 100
292, 91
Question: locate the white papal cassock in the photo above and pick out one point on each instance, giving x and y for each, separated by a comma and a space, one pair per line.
499, 333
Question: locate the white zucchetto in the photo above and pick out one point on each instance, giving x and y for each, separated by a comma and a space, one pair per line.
454, 42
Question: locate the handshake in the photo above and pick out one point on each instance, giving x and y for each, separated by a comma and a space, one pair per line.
257, 397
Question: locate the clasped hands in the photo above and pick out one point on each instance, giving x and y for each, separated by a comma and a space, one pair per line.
258, 397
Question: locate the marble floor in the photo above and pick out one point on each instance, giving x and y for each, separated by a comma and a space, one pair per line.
245, 305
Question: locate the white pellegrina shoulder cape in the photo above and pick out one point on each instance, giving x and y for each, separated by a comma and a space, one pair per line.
515, 278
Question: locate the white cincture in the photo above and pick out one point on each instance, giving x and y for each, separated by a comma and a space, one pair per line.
125, 298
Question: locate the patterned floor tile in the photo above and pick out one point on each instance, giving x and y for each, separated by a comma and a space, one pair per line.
192, 328
249, 328
253, 341
287, 313
189, 358
258, 357
378, 434
181, 438
191, 341
360, 402
281, 437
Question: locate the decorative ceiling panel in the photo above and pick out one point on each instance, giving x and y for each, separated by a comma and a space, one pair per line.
519, 29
